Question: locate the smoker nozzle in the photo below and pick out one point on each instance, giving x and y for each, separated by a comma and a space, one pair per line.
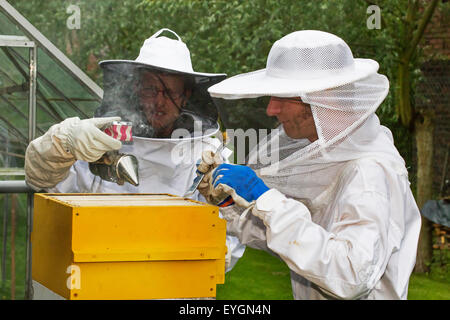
116, 167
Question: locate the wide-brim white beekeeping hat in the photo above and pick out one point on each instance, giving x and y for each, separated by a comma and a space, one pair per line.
300, 62
165, 54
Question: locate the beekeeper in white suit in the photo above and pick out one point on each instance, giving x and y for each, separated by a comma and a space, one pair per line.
162, 96
337, 206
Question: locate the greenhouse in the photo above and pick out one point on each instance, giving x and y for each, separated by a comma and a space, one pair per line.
39, 86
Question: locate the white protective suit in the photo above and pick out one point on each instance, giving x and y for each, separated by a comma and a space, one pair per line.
339, 211
352, 234
163, 168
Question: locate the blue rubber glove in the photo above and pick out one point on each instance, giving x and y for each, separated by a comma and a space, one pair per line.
242, 179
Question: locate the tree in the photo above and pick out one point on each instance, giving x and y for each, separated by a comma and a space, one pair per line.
419, 121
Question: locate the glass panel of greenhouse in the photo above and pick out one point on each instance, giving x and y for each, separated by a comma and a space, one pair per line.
59, 92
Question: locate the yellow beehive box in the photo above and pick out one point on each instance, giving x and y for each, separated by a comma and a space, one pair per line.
127, 246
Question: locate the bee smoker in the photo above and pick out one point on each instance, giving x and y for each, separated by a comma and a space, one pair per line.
114, 166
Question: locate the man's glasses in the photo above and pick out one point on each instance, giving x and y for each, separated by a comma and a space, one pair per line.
152, 92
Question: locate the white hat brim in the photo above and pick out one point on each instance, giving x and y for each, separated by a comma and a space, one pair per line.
258, 83
193, 73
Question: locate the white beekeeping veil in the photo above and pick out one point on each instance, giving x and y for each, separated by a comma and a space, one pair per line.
343, 93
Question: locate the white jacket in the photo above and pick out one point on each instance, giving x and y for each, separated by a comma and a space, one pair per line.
355, 240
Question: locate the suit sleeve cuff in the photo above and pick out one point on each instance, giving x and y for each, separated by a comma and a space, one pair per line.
272, 203
269, 200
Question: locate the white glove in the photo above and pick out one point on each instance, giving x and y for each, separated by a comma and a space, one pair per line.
48, 158
85, 140
210, 161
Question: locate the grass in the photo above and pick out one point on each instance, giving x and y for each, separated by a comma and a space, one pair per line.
425, 287
256, 276
434, 285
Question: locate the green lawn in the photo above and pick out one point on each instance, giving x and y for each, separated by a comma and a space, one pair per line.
424, 287
436, 284
257, 275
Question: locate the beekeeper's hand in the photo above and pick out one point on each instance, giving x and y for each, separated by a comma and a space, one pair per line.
85, 140
210, 160
207, 165
48, 158
240, 182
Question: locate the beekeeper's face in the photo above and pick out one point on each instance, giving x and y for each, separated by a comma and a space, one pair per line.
162, 96
295, 116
